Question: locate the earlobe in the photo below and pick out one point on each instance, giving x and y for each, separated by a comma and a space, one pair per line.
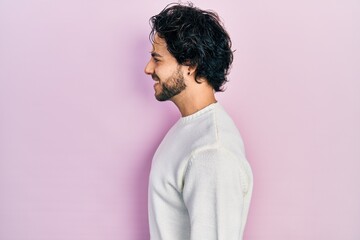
191, 70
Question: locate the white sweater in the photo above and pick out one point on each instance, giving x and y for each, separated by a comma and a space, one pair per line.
200, 183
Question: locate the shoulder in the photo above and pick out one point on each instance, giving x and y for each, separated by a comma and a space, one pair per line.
216, 154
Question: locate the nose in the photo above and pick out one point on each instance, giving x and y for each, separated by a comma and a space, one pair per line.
149, 68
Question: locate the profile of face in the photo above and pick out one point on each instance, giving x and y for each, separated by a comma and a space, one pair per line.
165, 71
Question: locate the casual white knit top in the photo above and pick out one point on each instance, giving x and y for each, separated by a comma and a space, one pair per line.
200, 183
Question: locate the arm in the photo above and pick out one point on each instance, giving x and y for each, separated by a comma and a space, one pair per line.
214, 189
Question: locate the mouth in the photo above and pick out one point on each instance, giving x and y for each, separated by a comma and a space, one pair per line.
156, 85
155, 78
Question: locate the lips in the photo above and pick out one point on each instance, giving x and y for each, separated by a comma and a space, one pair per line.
157, 82
155, 78
156, 85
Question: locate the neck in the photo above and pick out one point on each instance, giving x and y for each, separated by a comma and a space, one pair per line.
189, 102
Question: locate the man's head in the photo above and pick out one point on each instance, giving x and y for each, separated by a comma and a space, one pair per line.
195, 39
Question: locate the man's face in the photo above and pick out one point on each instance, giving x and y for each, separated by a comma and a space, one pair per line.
165, 71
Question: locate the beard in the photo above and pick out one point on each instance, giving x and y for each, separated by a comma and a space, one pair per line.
171, 87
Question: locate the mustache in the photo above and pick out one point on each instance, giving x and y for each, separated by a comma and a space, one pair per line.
155, 77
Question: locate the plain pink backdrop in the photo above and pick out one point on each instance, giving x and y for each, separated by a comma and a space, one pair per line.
79, 123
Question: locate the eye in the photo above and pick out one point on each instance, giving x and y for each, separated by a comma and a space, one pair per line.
156, 60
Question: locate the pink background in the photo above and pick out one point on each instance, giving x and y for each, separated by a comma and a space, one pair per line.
79, 123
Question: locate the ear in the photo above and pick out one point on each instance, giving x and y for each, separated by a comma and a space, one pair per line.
191, 70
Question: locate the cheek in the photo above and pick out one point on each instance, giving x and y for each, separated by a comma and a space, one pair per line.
165, 72
162, 75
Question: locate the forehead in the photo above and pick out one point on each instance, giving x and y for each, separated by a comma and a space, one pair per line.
159, 45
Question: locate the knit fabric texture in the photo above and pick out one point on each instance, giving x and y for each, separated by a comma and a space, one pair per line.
200, 183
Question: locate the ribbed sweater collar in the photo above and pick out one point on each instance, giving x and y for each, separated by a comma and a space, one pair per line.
199, 113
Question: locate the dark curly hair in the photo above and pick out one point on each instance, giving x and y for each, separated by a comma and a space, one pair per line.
195, 38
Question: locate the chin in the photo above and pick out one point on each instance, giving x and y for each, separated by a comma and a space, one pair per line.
160, 99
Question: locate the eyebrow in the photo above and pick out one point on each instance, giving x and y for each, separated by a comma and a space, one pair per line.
155, 54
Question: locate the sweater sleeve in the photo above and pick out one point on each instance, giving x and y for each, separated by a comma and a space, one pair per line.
215, 184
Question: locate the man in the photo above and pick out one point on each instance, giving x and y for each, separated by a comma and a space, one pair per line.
200, 183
